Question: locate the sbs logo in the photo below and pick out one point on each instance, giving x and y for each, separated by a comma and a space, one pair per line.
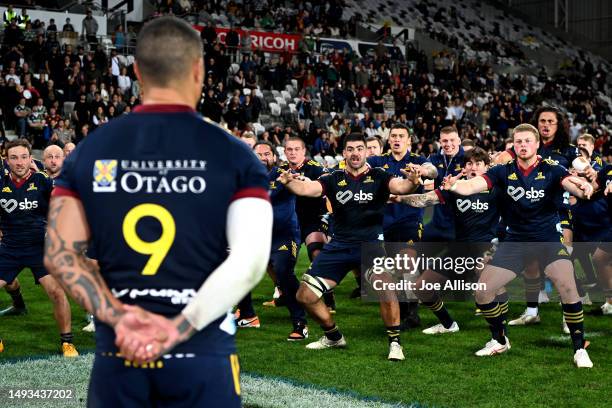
518, 192
10, 205
479, 206
344, 197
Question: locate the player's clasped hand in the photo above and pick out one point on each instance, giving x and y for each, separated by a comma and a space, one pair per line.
142, 336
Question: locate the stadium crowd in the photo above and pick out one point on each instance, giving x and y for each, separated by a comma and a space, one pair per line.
339, 91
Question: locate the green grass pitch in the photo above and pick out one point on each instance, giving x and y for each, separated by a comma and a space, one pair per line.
439, 371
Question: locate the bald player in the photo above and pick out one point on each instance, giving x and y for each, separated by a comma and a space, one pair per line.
53, 159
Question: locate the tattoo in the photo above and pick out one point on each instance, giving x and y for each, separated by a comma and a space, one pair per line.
75, 272
421, 200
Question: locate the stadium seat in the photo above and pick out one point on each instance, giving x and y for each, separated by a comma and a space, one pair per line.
275, 109
286, 96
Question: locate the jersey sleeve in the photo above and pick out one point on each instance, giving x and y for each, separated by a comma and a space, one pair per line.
65, 184
443, 196
252, 180
420, 160
386, 178
327, 182
559, 173
495, 176
375, 161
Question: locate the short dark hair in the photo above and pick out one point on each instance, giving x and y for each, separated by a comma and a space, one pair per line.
166, 48
477, 154
449, 129
354, 137
375, 139
295, 139
401, 126
266, 143
468, 143
19, 142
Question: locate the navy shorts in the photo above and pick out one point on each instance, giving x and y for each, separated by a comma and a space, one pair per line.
406, 233
13, 260
337, 259
515, 253
201, 381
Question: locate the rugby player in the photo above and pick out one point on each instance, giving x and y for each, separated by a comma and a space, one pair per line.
375, 146
448, 162
530, 186
285, 244
358, 195
555, 146
309, 210
53, 157
603, 254
476, 218
173, 209
590, 217
24, 201
403, 224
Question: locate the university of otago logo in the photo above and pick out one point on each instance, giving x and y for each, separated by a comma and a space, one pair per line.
104, 174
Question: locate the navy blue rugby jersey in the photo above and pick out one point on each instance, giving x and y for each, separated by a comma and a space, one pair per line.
604, 179
399, 213
358, 203
592, 215
156, 185
530, 197
283, 204
23, 210
309, 210
476, 216
443, 215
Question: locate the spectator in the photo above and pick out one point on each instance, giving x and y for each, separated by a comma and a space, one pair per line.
68, 27
22, 113
37, 123
99, 118
124, 82
89, 28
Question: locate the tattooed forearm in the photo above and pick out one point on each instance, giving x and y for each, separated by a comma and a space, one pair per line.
420, 200
66, 261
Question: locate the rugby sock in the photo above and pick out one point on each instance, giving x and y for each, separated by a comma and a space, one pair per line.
17, 298
393, 334
66, 337
503, 305
492, 312
574, 317
439, 309
532, 292
332, 333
